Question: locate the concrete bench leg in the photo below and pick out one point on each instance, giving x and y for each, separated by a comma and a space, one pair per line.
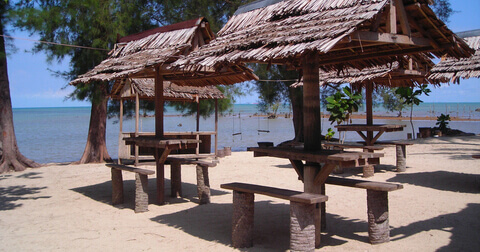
141, 193
368, 171
117, 187
302, 227
203, 184
377, 207
176, 179
242, 220
401, 157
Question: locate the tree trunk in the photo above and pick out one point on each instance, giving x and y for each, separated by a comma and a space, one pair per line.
10, 156
96, 147
296, 98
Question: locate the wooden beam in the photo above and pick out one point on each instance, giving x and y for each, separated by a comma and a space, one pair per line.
392, 18
158, 103
367, 36
403, 18
311, 101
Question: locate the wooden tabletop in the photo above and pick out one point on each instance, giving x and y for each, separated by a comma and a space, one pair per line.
152, 141
374, 127
319, 156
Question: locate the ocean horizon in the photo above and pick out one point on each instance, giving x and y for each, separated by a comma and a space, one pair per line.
59, 134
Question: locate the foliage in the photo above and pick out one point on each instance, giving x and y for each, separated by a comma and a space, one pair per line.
442, 122
342, 104
330, 134
391, 101
442, 9
410, 97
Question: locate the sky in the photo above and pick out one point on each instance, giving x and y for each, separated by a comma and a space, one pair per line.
33, 85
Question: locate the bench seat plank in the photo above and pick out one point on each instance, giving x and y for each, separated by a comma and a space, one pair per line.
193, 161
306, 198
131, 169
370, 185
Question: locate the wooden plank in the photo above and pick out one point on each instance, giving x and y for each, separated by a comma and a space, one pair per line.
371, 185
380, 37
306, 198
131, 169
354, 146
392, 18
323, 174
402, 16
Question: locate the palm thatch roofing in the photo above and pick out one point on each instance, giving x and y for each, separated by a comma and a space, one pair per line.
145, 88
401, 73
137, 56
452, 70
345, 33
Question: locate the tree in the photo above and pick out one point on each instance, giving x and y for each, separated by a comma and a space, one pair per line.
87, 23
410, 97
10, 156
391, 101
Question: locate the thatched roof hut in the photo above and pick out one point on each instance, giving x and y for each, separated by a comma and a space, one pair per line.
137, 55
345, 33
452, 70
145, 88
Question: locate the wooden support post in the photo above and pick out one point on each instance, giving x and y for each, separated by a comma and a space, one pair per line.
159, 99
311, 102
392, 18
377, 207
310, 171
137, 128
176, 179
117, 187
141, 193
203, 184
120, 135
369, 105
401, 157
216, 127
242, 220
302, 227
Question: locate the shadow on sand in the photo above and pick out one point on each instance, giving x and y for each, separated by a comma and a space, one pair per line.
10, 197
102, 192
441, 180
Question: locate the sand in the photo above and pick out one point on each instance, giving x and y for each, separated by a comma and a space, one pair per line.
68, 207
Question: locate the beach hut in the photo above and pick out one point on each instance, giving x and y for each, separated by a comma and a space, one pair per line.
148, 54
452, 70
327, 34
144, 89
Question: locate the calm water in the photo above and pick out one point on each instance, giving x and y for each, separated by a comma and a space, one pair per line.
59, 134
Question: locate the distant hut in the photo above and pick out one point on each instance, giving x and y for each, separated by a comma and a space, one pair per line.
452, 69
144, 89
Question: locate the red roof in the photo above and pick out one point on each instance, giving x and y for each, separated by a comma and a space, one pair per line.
167, 28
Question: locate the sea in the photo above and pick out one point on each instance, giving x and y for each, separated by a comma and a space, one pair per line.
57, 135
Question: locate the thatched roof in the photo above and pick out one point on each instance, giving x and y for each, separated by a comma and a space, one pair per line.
137, 55
345, 33
397, 74
128, 88
451, 69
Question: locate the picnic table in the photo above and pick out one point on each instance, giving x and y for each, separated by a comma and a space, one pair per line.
307, 164
162, 147
370, 138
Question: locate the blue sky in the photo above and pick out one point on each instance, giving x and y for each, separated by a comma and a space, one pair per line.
32, 84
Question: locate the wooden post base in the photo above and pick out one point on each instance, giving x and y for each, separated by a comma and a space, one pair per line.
117, 187
203, 184
302, 227
242, 220
176, 179
377, 209
141, 193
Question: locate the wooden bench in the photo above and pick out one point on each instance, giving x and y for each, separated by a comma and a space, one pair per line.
377, 205
401, 153
203, 182
141, 185
302, 207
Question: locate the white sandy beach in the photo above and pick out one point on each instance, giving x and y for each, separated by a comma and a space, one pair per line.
68, 207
